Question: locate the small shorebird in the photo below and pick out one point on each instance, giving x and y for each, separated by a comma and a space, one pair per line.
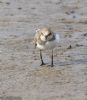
45, 39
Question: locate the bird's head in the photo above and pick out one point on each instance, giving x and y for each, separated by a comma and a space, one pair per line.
46, 34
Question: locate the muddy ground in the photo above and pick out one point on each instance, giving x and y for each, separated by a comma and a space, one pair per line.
21, 76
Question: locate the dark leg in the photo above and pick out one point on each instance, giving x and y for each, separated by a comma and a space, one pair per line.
52, 59
42, 63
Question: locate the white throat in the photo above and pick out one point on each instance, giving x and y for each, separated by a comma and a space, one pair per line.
43, 38
57, 37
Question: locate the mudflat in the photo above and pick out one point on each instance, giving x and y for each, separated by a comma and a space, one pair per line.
20, 72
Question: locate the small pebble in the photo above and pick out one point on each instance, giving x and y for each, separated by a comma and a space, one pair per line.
85, 34
72, 12
1, 2
67, 13
33, 8
8, 3
19, 8
74, 16
86, 94
78, 45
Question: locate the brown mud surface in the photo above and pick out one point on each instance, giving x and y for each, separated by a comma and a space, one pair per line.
20, 72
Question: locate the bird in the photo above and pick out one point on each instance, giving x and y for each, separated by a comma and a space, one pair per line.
46, 39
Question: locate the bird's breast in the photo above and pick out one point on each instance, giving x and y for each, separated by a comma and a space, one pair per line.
48, 45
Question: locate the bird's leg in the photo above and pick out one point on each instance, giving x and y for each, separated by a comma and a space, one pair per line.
52, 59
42, 63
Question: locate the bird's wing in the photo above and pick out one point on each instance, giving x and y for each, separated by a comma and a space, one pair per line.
36, 38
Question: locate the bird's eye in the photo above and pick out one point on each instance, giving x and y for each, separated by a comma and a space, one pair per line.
49, 34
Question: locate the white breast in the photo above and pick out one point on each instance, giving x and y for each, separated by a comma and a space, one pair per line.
54, 43
40, 46
49, 44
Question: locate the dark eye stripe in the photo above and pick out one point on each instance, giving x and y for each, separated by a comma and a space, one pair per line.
49, 34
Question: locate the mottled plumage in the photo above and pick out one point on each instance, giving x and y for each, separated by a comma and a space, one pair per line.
45, 39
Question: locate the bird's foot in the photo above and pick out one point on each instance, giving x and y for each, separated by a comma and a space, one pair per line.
52, 65
42, 64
